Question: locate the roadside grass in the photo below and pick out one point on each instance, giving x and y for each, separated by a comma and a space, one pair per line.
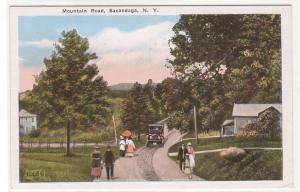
225, 142
203, 134
54, 166
255, 165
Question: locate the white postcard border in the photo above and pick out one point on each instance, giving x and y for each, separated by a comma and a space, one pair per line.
287, 102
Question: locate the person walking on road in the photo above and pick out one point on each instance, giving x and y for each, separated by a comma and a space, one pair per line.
191, 157
122, 146
96, 167
109, 161
130, 147
181, 157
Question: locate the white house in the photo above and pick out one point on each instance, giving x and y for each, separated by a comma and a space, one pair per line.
248, 113
27, 122
243, 114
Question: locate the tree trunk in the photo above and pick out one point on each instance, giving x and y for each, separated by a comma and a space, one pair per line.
68, 138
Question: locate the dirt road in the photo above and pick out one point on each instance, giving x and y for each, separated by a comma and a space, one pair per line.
150, 164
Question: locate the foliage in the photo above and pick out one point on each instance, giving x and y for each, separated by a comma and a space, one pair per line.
139, 109
227, 59
249, 130
269, 122
35, 133
181, 121
173, 95
69, 92
255, 165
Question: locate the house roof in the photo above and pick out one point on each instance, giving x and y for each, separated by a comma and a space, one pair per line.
252, 110
24, 113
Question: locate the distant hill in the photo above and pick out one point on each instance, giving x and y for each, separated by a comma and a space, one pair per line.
123, 86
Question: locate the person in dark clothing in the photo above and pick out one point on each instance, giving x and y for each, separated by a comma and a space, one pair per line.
182, 156
109, 161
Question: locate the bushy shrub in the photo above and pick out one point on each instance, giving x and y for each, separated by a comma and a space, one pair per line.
249, 130
35, 133
269, 122
247, 134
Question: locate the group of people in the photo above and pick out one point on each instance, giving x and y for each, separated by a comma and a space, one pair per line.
98, 163
186, 157
127, 146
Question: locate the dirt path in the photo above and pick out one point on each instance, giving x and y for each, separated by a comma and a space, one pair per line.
149, 164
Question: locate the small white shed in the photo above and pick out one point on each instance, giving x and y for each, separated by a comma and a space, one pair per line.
27, 122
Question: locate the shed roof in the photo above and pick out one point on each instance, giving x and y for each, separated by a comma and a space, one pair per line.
24, 113
252, 110
228, 122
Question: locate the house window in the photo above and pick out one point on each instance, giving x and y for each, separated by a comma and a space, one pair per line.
32, 119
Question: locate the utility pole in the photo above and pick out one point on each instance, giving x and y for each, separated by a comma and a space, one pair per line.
115, 129
195, 123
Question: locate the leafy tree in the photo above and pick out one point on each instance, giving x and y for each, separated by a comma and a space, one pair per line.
172, 95
136, 112
152, 102
70, 92
180, 120
227, 59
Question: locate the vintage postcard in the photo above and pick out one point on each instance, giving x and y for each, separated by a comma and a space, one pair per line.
151, 97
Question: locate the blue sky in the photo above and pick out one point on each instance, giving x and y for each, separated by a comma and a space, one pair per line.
146, 39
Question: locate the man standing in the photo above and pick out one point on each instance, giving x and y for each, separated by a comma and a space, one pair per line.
181, 156
122, 146
109, 161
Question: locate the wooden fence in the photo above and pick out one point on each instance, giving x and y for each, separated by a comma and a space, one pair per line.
48, 146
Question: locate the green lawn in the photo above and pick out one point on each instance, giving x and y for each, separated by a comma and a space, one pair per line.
255, 165
217, 143
203, 134
54, 167
51, 165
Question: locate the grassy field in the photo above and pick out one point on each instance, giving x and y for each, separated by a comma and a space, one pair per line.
217, 143
100, 134
53, 166
255, 165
